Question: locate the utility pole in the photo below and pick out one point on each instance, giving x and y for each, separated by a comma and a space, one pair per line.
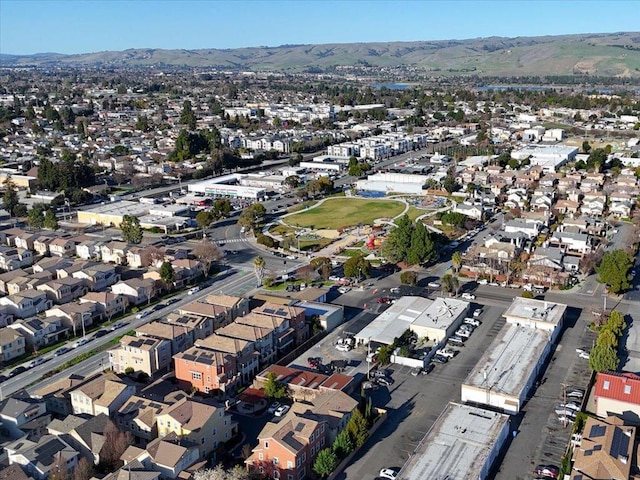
564, 402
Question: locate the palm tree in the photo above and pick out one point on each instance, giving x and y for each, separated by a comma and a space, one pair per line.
258, 268
456, 261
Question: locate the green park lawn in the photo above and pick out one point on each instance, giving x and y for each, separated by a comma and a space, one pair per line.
345, 212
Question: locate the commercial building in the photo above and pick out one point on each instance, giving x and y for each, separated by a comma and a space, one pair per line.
462, 444
549, 157
111, 214
510, 366
393, 183
226, 186
433, 319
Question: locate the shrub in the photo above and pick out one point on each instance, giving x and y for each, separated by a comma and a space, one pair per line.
268, 282
129, 370
267, 241
527, 295
409, 277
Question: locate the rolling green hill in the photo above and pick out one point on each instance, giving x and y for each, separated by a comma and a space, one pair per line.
615, 54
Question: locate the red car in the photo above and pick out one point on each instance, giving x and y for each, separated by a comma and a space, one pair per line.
384, 300
314, 362
547, 471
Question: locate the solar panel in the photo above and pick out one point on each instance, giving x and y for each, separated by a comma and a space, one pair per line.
597, 431
619, 444
597, 448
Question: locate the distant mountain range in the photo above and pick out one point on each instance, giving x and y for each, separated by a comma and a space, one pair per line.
614, 54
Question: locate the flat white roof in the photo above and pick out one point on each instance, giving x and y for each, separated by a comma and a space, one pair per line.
528, 309
121, 207
442, 313
393, 322
509, 361
458, 445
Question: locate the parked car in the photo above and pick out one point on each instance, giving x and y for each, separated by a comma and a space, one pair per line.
477, 312
273, 407
282, 410
584, 355
17, 371
117, 325
344, 289
549, 471
428, 369
472, 321
61, 351
100, 333
580, 350
193, 290
483, 281
173, 300
464, 333
571, 406
468, 296
448, 353
378, 374
440, 359
386, 381
343, 347
575, 393
389, 473
313, 362
79, 343
456, 340
36, 362
415, 371
433, 285
384, 300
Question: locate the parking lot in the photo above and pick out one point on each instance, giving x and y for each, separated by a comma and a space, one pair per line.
414, 403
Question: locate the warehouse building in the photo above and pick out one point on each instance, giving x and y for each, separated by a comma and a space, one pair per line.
393, 183
549, 157
508, 369
111, 214
434, 319
226, 186
462, 444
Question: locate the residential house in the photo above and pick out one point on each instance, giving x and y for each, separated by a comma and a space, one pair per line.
284, 334
295, 316
140, 257
62, 247
187, 270
472, 211
541, 201
105, 393
41, 244
142, 354
134, 470
28, 282
304, 385
247, 358
90, 250
114, 252
12, 344
530, 229
25, 241
165, 455
618, 393
572, 243
548, 258
262, 338
201, 327
88, 436
7, 277
57, 266
137, 290
516, 200
593, 204
138, 417
38, 332
39, 458
567, 207
180, 337
207, 370
57, 395
97, 276
606, 450
27, 303
219, 315
106, 304
236, 306
288, 449
15, 258
22, 416
333, 407
13, 472
64, 290
74, 315
205, 426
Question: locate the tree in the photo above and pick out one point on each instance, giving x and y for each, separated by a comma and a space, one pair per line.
208, 253
357, 266
357, 427
616, 324
602, 358
421, 248
50, 220
167, 274
84, 470
614, 270
131, 230
342, 445
35, 217
142, 123
115, 443
273, 388
221, 207
450, 184
10, 198
409, 277
450, 283
456, 261
219, 473
396, 246
258, 268
204, 219
187, 116
326, 462
251, 215
292, 181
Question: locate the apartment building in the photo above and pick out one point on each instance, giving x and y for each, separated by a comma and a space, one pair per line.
142, 354
105, 393
12, 344
207, 370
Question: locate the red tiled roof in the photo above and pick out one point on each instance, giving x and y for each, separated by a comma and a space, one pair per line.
616, 386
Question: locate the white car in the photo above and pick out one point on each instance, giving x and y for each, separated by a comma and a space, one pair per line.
448, 353
389, 473
584, 355
463, 333
343, 347
468, 296
477, 313
471, 321
433, 285
193, 290
79, 343
143, 314
483, 281
282, 410
344, 289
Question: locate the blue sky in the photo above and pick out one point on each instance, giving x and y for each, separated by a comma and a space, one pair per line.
79, 26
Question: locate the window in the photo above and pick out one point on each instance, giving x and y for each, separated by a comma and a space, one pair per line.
304, 456
289, 477
276, 474
260, 456
196, 376
322, 428
605, 385
266, 444
627, 389
214, 432
275, 460
313, 451
311, 437
289, 464
202, 441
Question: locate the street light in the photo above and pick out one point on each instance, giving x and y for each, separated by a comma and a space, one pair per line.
84, 333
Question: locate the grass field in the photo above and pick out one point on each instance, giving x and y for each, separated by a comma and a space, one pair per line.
345, 212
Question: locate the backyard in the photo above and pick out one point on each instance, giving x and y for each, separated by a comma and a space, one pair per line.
338, 213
